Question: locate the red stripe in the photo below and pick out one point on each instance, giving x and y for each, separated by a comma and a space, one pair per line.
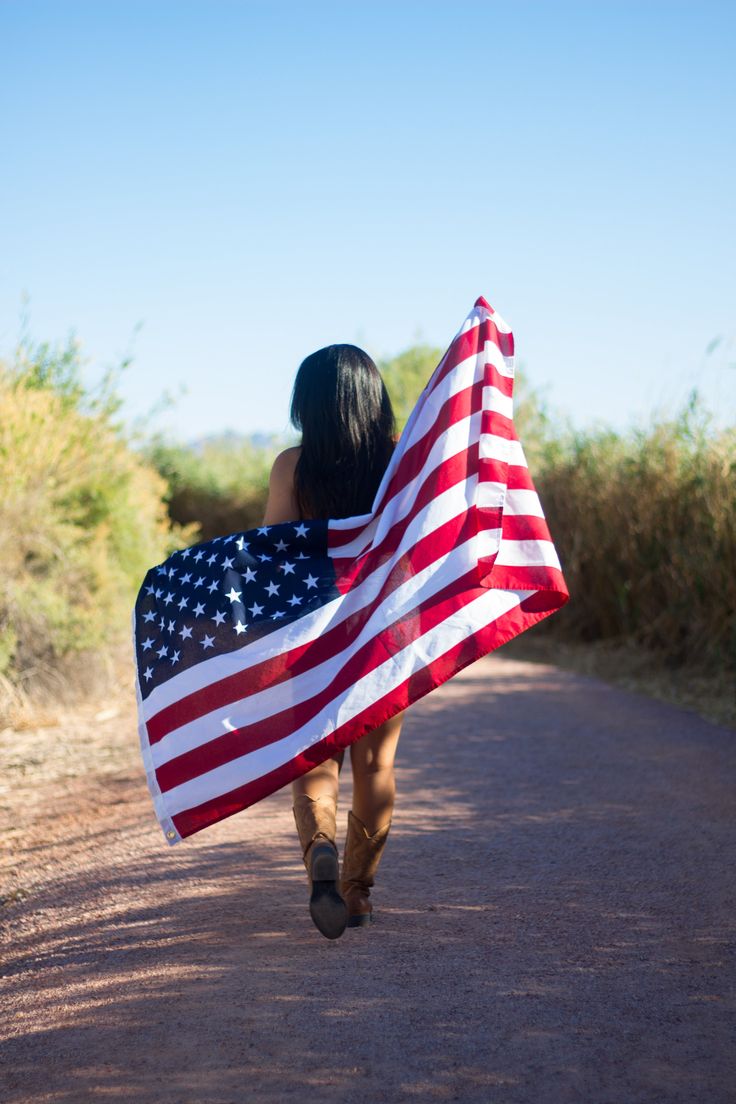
524, 527
277, 726
436, 672
519, 478
459, 406
536, 577
429, 548
390, 639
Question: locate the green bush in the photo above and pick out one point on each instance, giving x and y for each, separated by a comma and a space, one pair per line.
82, 516
221, 486
645, 526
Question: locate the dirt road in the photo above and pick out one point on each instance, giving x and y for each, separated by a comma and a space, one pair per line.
554, 918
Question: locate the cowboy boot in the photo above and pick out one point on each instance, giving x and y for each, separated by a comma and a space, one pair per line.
359, 865
316, 824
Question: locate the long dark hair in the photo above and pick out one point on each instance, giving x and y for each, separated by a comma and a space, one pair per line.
342, 407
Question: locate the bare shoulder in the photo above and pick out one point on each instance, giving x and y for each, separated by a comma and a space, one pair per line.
285, 463
281, 505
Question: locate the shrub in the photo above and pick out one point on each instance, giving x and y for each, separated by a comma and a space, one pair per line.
82, 516
645, 525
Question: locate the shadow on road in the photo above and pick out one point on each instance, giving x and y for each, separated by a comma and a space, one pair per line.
554, 923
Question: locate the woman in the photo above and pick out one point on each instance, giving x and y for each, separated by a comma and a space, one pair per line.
340, 404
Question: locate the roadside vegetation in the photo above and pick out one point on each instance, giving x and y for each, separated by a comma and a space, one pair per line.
644, 523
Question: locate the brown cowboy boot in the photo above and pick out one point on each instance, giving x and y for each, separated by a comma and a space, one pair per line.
360, 862
316, 824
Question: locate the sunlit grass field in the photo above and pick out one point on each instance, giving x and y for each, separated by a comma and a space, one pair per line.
644, 523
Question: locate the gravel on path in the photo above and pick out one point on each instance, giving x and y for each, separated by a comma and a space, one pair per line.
554, 917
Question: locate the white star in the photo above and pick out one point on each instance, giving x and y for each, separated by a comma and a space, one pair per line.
162, 652
172, 626
272, 588
212, 559
185, 632
183, 602
146, 644
169, 598
208, 642
294, 601
219, 618
198, 609
263, 531
279, 613
149, 616
281, 546
255, 609
175, 657
301, 556
263, 557
212, 586
310, 581
249, 575
241, 544
158, 592
172, 572
161, 570
161, 623
148, 674
240, 627
199, 556
200, 581
234, 595
300, 530
185, 578
227, 562
288, 568
185, 554
150, 589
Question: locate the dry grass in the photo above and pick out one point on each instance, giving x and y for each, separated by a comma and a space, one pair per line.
709, 694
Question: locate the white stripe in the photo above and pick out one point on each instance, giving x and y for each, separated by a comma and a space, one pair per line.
520, 502
464, 375
170, 831
441, 509
454, 441
527, 553
400, 603
482, 611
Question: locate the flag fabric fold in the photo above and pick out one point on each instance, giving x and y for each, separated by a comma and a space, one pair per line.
260, 654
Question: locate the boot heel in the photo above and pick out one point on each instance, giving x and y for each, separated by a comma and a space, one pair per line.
324, 863
315, 823
362, 920
326, 907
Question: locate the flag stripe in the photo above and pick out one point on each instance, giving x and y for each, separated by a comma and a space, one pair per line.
443, 496
470, 612
407, 553
454, 558
265, 779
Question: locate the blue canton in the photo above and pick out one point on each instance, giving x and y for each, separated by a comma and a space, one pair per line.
220, 595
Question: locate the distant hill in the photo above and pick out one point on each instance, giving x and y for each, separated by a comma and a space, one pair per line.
232, 439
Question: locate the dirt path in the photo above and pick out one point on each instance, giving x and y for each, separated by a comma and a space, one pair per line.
554, 918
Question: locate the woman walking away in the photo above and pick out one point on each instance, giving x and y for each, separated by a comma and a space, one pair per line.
341, 406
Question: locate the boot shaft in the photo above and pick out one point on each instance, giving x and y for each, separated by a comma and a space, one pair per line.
316, 819
362, 854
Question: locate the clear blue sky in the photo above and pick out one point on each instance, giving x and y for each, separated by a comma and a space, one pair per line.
251, 181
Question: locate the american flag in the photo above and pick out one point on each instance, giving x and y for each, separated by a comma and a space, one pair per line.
263, 653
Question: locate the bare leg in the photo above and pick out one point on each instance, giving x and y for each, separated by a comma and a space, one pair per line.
321, 781
374, 785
